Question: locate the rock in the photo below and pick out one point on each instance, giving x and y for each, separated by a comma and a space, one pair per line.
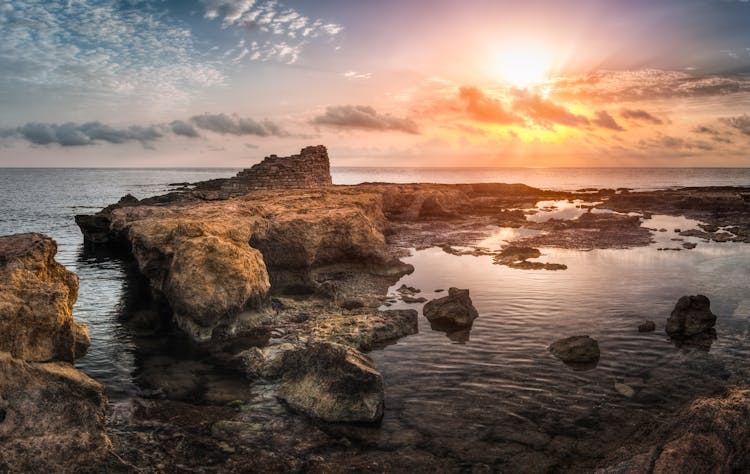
409, 290
332, 382
52, 418
576, 350
647, 326
36, 302
411, 299
689, 245
624, 390
691, 316
455, 309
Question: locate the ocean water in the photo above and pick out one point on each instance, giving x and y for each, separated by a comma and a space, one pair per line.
455, 390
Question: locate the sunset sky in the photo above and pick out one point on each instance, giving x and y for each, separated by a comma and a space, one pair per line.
380, 82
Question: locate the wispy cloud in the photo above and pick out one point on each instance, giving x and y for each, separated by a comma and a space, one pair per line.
639, 114
285, 31
236, 125
605, 120
102, 49
365, 118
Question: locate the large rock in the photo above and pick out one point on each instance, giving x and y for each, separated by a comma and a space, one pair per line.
36, 302
455, 309
51, 418
691, 316
332, 382
209, 274
576, 350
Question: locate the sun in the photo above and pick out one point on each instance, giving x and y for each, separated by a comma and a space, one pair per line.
523, 66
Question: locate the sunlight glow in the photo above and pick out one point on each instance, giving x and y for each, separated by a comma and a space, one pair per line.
523, 66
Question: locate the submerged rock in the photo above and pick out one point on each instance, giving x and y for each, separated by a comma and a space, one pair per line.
332, 382
691, 316
456, 309
52, 418
576, 350
36, 302
647, 326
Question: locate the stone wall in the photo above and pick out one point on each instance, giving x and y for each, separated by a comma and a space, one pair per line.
309, 169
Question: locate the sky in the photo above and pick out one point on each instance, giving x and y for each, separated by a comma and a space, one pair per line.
223, 83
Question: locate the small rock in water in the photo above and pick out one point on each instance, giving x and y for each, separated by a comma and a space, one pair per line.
647, 326
689, 245
411, 299
409, 290
576, 349
691, 316
625, 390
456, 309
439, 290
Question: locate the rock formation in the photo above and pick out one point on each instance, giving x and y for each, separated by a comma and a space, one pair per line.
576, 350
455, 309
36, 302
51, 415
690, 317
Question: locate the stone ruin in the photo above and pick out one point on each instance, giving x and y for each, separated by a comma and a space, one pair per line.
309, 169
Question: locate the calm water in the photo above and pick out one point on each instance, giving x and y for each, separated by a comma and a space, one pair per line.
454, 390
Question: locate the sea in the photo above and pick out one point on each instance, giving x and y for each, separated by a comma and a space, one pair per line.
459, 388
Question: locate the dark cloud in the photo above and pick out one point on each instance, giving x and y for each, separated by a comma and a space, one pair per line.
73, 134
484, 108
638, 114
544, 111
675, 143
235, 125
740, 123
715, 135
186, 129
604, 120
365, 118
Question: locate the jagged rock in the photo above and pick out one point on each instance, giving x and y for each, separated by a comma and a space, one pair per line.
647, 326
51, 418
332, 382
36, 302
691, 316
455, 309
576, 350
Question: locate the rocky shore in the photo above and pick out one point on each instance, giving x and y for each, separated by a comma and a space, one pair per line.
286, 287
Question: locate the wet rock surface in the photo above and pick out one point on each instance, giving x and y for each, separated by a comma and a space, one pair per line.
576, 350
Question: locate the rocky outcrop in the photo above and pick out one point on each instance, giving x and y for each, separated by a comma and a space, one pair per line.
332, 382
455, 309
576, 350
690, 317
51, 418
36, 302
710, 435
51, 415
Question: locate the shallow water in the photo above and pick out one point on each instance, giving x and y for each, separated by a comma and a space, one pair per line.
441, 391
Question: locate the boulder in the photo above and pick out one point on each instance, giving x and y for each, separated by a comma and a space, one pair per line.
51, 418
36, 302
691, 316
576, 350
332, 382
455, 309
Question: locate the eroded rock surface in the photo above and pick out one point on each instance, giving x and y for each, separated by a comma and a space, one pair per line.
576, 350
36, 302
52, 418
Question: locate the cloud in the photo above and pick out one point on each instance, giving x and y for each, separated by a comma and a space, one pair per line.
740, 123
638, 114
604, 120
186, 129
71, 134
675, 143
486, 109
286, 30
101, 51
365, 118
544, 111
235, 125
